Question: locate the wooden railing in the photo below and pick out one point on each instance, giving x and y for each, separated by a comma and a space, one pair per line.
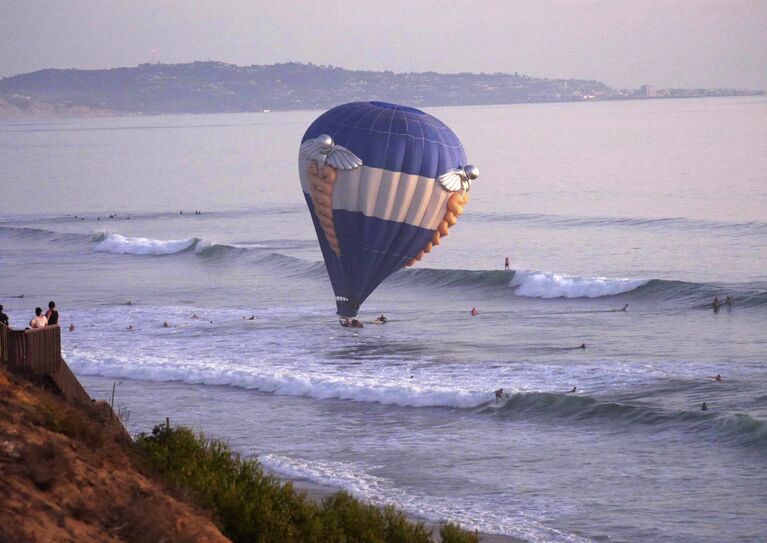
38, 352
4, 339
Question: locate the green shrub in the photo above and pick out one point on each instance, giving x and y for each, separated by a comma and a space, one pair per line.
451, 533
251, 507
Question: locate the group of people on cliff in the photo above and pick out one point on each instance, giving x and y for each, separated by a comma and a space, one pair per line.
40, 320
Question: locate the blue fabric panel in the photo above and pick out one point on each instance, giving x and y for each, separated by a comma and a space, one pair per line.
332, 262
371, 250
392, 137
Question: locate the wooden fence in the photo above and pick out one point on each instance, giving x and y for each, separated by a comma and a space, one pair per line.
4, 339
38, 352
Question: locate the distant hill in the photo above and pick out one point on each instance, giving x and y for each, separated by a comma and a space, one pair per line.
216, 87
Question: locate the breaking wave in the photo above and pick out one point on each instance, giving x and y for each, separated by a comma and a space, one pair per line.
556, 285
742, 430
283, 383
522, 283
123, 245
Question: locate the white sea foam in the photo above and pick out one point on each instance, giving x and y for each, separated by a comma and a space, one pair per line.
123, 245
286, 382
474, 513
535, 284
350, 477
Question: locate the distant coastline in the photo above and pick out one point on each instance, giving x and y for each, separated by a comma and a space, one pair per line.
216, 87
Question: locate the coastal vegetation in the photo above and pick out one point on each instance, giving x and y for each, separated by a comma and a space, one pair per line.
250, 506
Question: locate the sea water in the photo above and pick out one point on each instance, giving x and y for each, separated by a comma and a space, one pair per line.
658, 204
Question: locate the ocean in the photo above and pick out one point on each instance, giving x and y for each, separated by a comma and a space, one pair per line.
658, 204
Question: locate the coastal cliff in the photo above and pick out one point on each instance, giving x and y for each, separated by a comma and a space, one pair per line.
68, 475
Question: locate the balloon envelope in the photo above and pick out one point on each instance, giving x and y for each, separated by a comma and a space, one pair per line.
372, 219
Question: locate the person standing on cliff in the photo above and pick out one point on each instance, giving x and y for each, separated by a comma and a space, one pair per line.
52, 314
3, 317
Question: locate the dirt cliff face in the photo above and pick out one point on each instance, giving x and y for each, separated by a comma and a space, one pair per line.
66, 476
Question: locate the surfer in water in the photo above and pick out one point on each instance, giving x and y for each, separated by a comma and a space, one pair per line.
573, 390
716, 304
500, 395
381, 319
506, 264
704, 407
474, 312
350, 323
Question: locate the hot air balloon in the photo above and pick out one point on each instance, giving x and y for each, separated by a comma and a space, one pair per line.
383, 183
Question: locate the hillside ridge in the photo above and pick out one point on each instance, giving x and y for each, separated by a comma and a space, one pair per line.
218, 87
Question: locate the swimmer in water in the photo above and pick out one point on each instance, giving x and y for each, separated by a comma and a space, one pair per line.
718, 377
716, 304
704, 407
582, 346
625, 308
71, 328
165, 325
573, 390
474, 312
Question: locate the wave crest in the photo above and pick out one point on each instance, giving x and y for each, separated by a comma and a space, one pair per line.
123, 245
536, 284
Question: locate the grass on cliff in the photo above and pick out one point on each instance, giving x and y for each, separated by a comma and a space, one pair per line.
249, 506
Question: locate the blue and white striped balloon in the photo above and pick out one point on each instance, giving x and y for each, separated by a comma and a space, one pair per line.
383, 182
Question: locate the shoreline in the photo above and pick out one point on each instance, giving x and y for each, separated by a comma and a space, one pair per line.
48, 111
314, 491
318, 492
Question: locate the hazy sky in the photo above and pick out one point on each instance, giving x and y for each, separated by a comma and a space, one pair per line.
668, 43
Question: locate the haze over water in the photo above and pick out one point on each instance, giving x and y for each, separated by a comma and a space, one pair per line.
661, 205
